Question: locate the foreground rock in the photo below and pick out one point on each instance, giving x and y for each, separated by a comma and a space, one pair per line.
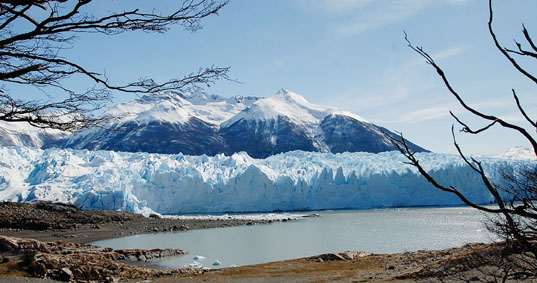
493, 262
339, 256
75, 262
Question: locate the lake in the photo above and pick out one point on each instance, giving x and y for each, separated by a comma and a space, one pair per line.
376, 231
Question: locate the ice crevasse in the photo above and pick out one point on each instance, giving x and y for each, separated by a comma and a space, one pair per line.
179, 184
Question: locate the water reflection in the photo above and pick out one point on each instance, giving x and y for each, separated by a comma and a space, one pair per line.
376, 231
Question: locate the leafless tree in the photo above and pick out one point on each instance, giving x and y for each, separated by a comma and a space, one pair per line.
33, 34
515, 216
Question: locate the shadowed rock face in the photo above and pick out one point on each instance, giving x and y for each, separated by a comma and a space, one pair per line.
344, 134
193, 138
259, 138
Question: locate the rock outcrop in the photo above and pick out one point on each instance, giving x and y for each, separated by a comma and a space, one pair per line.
76, 262
340, 256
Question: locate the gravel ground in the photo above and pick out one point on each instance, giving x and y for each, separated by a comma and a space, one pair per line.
51, 222
32, 280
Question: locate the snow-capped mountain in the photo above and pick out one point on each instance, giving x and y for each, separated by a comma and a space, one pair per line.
291, 105
197, 123
23, 134
518, 152
168, 123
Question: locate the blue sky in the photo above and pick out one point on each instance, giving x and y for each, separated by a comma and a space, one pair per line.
349, 54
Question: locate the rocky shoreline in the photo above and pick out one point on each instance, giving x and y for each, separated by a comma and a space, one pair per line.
47, 221
50, 241
66, 261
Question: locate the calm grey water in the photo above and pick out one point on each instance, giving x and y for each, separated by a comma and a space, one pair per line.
377, 231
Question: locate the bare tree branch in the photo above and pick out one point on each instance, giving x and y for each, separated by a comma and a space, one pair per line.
33, 35
493, 118
467, 129
521, 109
516, 215
528, 38
504, 51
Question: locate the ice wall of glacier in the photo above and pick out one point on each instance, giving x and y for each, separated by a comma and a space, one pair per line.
175, 184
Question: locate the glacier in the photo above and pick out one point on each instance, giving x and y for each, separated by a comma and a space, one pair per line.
180, 184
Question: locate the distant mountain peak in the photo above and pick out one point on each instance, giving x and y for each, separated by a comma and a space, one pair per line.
291, 97
287, 93
518, 152
290, 105
200, 123
283, 90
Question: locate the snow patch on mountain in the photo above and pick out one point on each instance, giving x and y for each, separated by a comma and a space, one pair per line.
175, 107
288, 104
177, 183
23, 134
518, 152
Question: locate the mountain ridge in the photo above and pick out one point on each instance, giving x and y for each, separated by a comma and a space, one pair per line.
23, 134
198, 123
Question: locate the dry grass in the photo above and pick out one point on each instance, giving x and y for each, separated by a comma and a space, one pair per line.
12, 268
299, 270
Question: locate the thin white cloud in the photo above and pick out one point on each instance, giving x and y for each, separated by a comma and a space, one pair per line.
357, 16
278, 62
426, 114
492, 104
342, 5
514, 117
360, 100
439, 55
517, 118
380, 102
332, 6
405, 84
379, 15
388, 90
440, 111
450, 52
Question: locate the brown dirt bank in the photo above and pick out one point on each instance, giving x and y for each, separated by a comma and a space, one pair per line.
469, 263
47, 221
